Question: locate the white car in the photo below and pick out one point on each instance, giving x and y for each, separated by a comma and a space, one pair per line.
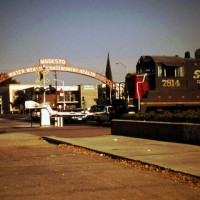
73, 115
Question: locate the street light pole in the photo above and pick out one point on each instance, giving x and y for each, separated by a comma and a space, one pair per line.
123, 66
126, 68
44, 93
63, 91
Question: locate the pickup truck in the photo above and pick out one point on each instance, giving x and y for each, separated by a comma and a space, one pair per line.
104, 116
98, 113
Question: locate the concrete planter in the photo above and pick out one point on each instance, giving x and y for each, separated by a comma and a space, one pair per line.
165, 131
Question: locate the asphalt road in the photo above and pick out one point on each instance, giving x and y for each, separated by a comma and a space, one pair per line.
19, 123
31, 168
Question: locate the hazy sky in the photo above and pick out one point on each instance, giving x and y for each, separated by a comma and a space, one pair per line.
84, 31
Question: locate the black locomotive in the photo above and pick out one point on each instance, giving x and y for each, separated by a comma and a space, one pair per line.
164, 83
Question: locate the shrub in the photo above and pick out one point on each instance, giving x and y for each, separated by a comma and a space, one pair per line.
186, 116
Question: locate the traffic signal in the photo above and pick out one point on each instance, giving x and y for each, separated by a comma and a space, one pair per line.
51, 90
39, 90
50, 87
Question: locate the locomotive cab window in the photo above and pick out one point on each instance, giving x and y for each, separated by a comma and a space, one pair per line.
145, 65
145, 69
170, 71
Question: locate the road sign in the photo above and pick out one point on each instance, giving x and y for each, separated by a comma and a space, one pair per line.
43, 73
61, 92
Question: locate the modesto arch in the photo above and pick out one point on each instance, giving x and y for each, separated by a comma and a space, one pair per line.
59, 65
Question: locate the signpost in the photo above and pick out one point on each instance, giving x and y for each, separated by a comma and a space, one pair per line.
44, 62
55, 64
62, 91
42, 76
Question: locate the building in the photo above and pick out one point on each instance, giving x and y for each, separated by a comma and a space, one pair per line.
12, 89
65, 97
4, 97
88, 95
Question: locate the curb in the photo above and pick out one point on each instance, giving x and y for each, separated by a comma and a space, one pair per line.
114, 156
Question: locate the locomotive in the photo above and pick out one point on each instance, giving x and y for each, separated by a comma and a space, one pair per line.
164, 83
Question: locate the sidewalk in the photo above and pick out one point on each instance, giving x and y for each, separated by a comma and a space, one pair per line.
178, 157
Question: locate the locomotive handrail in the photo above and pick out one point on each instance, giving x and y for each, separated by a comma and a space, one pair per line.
144, 76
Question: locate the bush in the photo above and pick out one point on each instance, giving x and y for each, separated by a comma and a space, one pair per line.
186, 116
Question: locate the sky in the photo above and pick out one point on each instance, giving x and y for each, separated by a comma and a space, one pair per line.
84, 31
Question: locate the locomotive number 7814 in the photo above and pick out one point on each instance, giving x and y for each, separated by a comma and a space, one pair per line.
170, 83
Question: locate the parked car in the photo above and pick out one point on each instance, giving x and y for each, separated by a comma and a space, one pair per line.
74, 115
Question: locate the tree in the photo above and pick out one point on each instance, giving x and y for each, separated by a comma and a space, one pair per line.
101, 96
19, 102
108, 76
8, 81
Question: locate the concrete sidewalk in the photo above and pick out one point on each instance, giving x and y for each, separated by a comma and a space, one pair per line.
178, 157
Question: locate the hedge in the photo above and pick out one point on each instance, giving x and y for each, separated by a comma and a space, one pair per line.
186, 116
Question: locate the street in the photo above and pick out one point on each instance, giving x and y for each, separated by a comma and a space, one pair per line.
31, 168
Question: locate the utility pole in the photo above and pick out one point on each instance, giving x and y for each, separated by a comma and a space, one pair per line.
56, 84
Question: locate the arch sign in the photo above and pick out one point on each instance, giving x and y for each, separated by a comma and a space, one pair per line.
54, 64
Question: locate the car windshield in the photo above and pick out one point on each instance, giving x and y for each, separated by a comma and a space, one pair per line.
97, 109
